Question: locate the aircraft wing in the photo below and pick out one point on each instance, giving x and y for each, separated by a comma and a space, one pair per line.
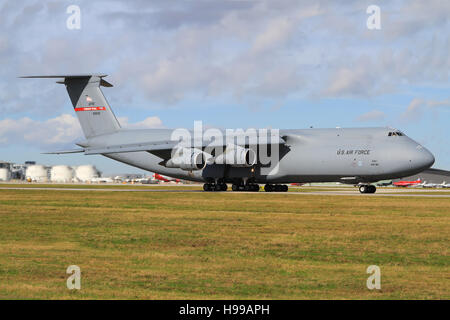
65, 151
137, 147
164, 148
154, 146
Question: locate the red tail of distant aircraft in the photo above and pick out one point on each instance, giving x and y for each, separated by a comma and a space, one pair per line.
406, 183
162, 178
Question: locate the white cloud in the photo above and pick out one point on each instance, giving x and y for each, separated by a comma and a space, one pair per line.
417, 106
414, 109
167, 51
374, 115
438, 103
61, 131
349, 81
280, 29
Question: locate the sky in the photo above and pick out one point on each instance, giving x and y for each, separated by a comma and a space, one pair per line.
232, 64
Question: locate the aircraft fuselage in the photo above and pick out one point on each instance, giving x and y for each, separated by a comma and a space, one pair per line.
348, 155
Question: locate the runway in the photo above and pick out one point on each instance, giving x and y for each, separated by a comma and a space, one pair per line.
301, 192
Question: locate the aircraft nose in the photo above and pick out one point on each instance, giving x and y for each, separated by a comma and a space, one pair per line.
423, 158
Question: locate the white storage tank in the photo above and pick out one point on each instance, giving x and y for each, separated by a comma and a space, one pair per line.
86, 173
5, 174
36, 173
62, 174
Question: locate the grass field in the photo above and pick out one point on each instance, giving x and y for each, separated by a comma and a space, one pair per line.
157, 245
102, 186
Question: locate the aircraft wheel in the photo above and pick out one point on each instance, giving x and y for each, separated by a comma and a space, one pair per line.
217, 187
367, 189
223, 187
256, 187
206, 187
285, 188
268, 188
235, 187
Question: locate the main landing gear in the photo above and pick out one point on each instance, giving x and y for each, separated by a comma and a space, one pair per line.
276, 188
367, 188
253, 187
215, 187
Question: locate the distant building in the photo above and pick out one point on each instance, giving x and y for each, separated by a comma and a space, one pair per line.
5, 174
18, 171
5, 171
36, 173
430, 175
86, 173
33, 172
62, 174
4, 164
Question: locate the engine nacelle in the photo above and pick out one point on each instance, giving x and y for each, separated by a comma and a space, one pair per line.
188, 159
237, 156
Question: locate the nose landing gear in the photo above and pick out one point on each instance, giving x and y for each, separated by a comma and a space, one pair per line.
367, 188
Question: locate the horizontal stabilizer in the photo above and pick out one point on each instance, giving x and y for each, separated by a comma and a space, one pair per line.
73, 76
103, 82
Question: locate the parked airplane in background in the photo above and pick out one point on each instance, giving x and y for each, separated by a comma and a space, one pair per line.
429, 185
384, 183
404, 183
163, 178
140, 180
102, 180
357, 156
418, 185
444, 185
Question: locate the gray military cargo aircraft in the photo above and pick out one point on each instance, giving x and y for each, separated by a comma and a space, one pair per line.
358, 156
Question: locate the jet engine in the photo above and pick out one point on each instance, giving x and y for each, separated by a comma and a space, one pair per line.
188, 159
237, 156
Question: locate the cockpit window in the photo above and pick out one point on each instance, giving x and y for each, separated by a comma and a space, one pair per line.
395, 133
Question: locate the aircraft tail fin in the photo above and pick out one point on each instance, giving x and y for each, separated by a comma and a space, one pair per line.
94, 113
